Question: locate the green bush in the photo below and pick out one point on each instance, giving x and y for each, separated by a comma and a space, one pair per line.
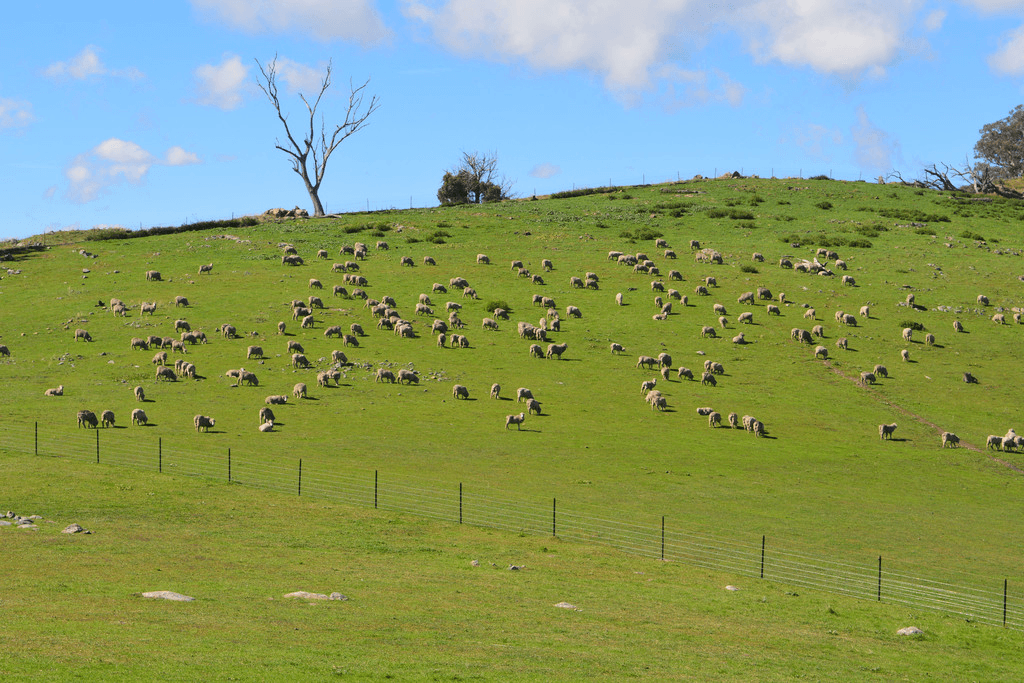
968, 235
749, 268
583, 192
916, 326
925, 231
859, 243
747, 225
825, 206
734, 214
640, 234
819, 177
490, 306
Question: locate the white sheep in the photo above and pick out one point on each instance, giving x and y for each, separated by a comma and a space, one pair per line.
885, 431
685, 372
299, 390
139, 417
203, 423
994, 442
408, 376
908, 333
140, 394
821, 351
57, 391
516, 420
107, 418
495, 391
556, 350
617, 348
905, 355
523, 394
459, 391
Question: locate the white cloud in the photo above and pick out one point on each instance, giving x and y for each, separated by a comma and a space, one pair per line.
15, 113
322, 19
299, 77
630, 45
993, 6
934, 21
115, 161
545, 171
685, 88
874, 147
222, 85
87, 63
1009, 60
176, 156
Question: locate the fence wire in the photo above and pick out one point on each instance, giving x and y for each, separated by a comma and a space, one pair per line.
501, 511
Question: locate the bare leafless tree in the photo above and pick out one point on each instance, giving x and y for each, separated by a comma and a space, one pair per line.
314, 150
980, 178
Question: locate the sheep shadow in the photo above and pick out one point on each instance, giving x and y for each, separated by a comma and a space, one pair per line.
148, 424
310, 398
896, 438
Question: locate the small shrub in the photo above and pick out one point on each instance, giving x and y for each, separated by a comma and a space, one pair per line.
353, 229
867, 230
819, 177
790, 238
916, 326
412, 240
925, 231
859, 243
583, 192
444, 224
749, 268
755, 200
968, 235
747, 225
641, 234
497, 303
784, 218
783, 202
824, 206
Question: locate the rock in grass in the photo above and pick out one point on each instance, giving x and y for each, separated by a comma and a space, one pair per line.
73, 528
306, 595
566, 605
168, 595
732, 588
910, 631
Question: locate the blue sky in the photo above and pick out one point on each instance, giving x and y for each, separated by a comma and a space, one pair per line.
142, 114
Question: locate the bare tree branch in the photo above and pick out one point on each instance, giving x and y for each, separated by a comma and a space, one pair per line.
316, 150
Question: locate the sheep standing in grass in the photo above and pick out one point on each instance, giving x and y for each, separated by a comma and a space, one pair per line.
495, 391
139, 417
299, 390
950, 439
203, 423
107, 418
734, 420
254, 352
708, 378
384, 375
885, 431
536, 351
618, 299
533, 406
140, 394
516, 420
881, 371
970, 379
684, 373
994, 442
82, 334
617, 348
459, 391
556, 350
905, 355
647, 385
821, 351
714, 420
408, 376
163, 372
867, 377
999, 319
983, 300
843, 343
707, 331
908, 333
573, 312
746, 318
523, 394
87, 418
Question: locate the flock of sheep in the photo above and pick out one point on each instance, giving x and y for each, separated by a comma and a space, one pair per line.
311, 312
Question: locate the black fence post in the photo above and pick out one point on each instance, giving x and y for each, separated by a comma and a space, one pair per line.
554, 508
300, 476
160, 454
879, 578
97, 447
375, 489
1005, 584
762, 555
37, 438
663, 538
460, 502
229, 465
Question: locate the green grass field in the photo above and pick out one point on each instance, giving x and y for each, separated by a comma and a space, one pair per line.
822, 483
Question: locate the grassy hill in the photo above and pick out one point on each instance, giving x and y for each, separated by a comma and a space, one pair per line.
822, 482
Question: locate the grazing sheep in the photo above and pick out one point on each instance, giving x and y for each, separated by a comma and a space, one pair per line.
139, 417
719, 309
536, 351
707, 331
546, 265
408, 376
384, 375
999, 319
867, 377
299, 390
842, 343
203, 423
818, 331
352, 340
177, 346
516, 420
300, 361
617, 348
710, 281
746, 318
757, 257
153, 275
881, 371
714, 420
764, 294
905, 355
254, 352
785, 263
647, 362
970, 379
772, 309
556, 350
685, 372
140, 394
58, 391
950, 439
810, 314
734, 420
929, 339
107, 418
180, 301
821, 351
745, 298
910, 300
657, 286
618, 299
182, 326
87, 418
228, 331
714, 368
994, 442
489, 324
723, 322
166, 373
701, 290
848, 280
983, 300
572, 312
82, 334
441, 339
708, 378
885, 431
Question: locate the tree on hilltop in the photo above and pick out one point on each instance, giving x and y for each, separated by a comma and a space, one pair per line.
474, 181
315, 150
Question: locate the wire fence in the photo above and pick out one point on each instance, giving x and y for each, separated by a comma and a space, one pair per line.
993, 605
